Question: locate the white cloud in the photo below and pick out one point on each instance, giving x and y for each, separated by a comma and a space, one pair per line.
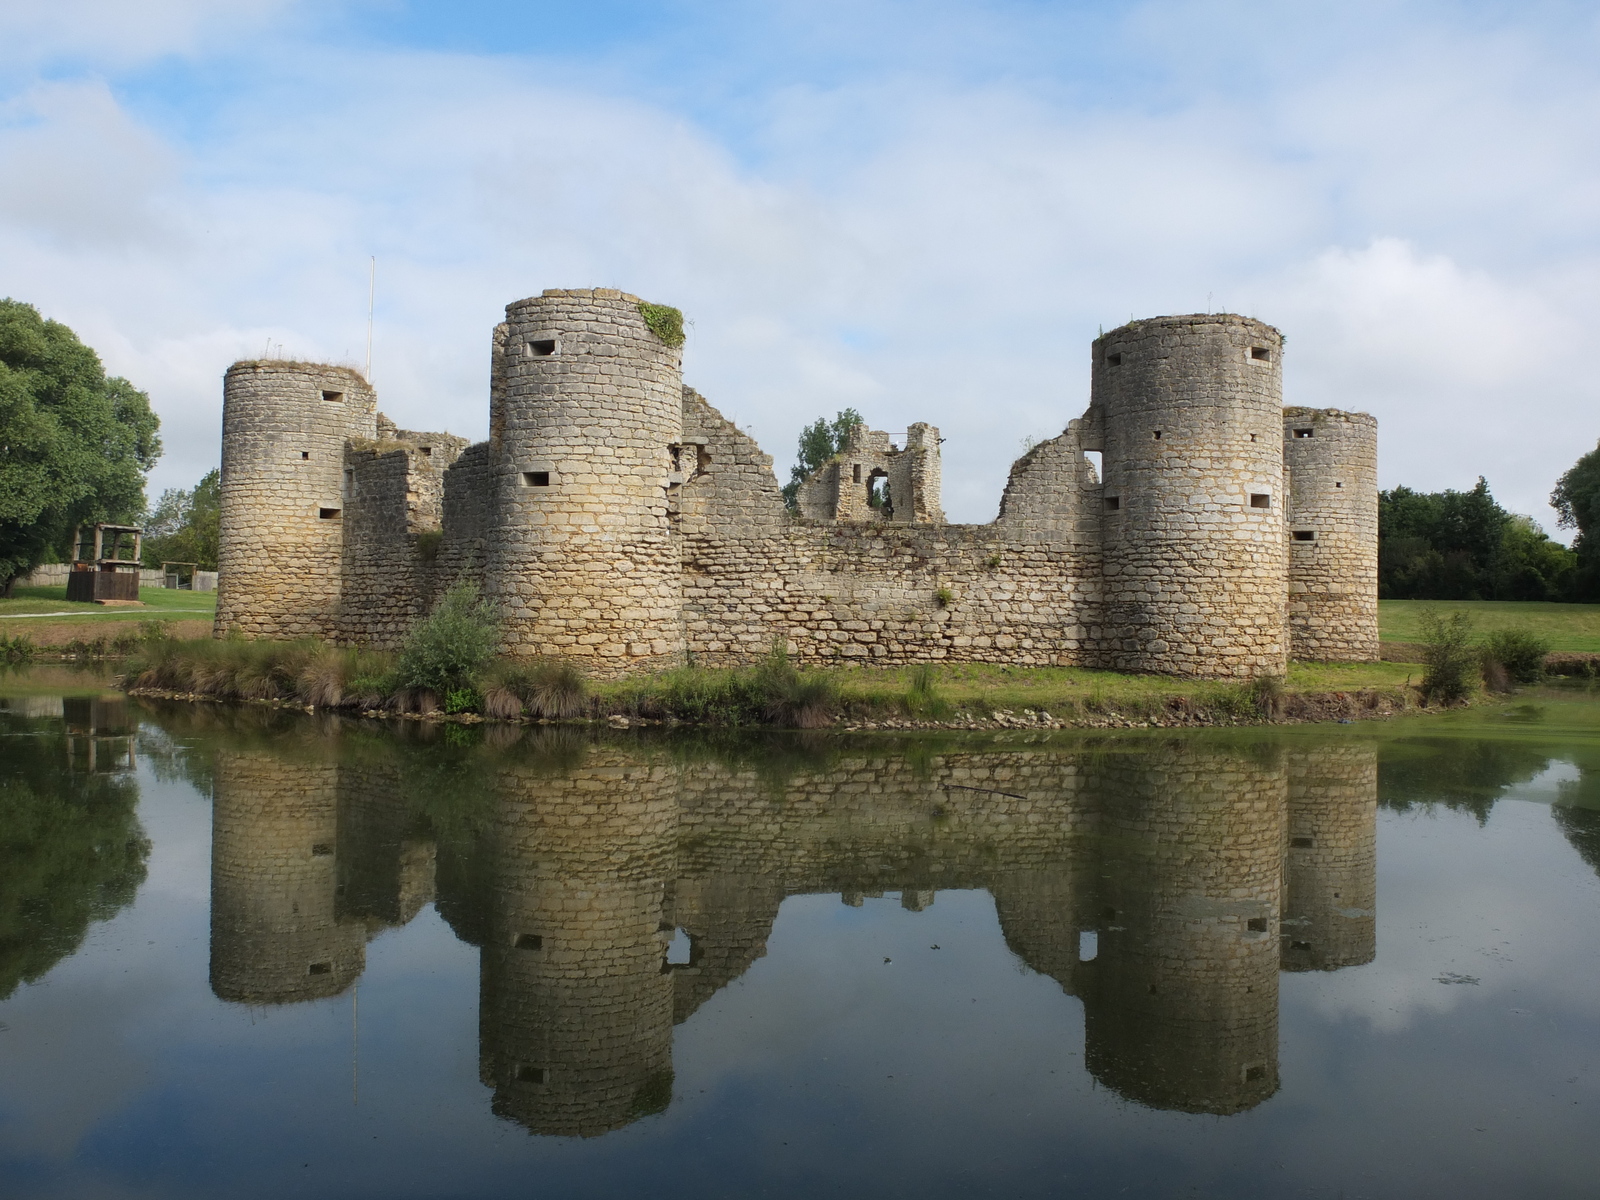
916, 244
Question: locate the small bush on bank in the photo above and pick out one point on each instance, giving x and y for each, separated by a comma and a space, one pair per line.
18, 649
1519, 653
447, 650
922, 698
1451, 662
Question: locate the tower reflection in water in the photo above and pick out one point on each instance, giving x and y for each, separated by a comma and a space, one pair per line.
614, 891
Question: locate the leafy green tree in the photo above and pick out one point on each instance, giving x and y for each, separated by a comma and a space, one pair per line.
71, 851
185, 525
819, 441
75, 446
1577, 502
1454, 545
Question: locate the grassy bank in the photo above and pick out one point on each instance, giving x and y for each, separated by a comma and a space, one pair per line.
772, 693
1566, 627
43, 618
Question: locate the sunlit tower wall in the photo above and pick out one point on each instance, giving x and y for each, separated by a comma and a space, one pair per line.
1181, 998
1331, 891
576, 999
1331, 459
1191, 415
275, 933
587, 413
284, 429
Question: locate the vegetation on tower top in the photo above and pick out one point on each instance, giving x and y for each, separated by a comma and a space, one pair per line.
664, 321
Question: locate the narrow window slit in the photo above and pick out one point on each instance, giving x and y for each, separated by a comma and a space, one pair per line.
1260, 354
541, 347
528, 941
333, 397
1305, 535
328, 514
536, 479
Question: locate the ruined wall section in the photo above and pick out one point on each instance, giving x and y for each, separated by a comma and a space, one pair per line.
1331, 460
582, 561
877, 592
1053, 493
1192, 509
280, 557
470, 515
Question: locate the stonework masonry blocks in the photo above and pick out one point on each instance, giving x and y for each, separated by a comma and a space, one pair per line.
616, 518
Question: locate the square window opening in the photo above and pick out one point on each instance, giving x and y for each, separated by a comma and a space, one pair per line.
1113, 360
328, 514
322, 968
304, 454
1251, 1074
1157, 434
1300, 945
856, 475
1088, 945
1252, 437
1256, 924
1305, 433
1260, 500
1305, 535
1302, 843
322, 850
1338, 485
1113, 503
541, 347
528, 941
1260, 354
680, 951
536, 479
428, 450
530, 1074
333, 397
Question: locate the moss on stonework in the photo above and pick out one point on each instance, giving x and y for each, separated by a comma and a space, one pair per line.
664, 321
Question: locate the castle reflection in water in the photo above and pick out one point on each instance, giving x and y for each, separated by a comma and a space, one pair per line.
1164, 884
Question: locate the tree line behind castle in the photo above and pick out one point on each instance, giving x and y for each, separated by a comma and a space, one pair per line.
77, 444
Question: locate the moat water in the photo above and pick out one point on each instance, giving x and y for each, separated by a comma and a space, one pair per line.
246, 953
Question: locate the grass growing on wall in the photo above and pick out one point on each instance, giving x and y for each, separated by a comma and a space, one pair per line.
664, 321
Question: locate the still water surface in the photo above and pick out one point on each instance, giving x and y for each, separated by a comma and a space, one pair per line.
254, 954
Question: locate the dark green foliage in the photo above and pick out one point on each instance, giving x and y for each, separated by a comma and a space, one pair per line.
922, 697
773, 692
74, 445
1576, 500
71, 852
664, 321
428, 542
1519, 652
819, 441
446, 651
185, 526
1450, 660
654, 1094
19, 649
1463, 546
461, 700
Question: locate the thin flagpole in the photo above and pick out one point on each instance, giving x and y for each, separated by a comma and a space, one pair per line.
372, 291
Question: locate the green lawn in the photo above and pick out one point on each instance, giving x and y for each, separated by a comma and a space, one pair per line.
158, 602
1565, 626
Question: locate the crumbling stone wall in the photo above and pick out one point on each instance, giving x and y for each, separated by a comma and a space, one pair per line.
617, 519
1331, 459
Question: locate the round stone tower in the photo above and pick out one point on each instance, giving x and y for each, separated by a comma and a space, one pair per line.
1331, 458
275, 935
1192, 520
284, 428
586, 417
1331, 891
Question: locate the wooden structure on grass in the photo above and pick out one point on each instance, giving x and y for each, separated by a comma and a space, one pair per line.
105, 564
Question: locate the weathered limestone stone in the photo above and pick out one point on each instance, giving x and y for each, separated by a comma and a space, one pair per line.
616, 518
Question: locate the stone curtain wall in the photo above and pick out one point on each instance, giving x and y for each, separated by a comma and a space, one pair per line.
617, 519
283, 448
1331, 459
1191, 412
582, 562
870, 592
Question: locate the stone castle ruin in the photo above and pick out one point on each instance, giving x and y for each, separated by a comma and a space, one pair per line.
616, 518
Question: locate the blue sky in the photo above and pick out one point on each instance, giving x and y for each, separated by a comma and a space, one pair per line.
922, 210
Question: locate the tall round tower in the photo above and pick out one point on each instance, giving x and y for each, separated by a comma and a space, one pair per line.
587, 416
1193, 495
1331, 890
284, 428
1331, 458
